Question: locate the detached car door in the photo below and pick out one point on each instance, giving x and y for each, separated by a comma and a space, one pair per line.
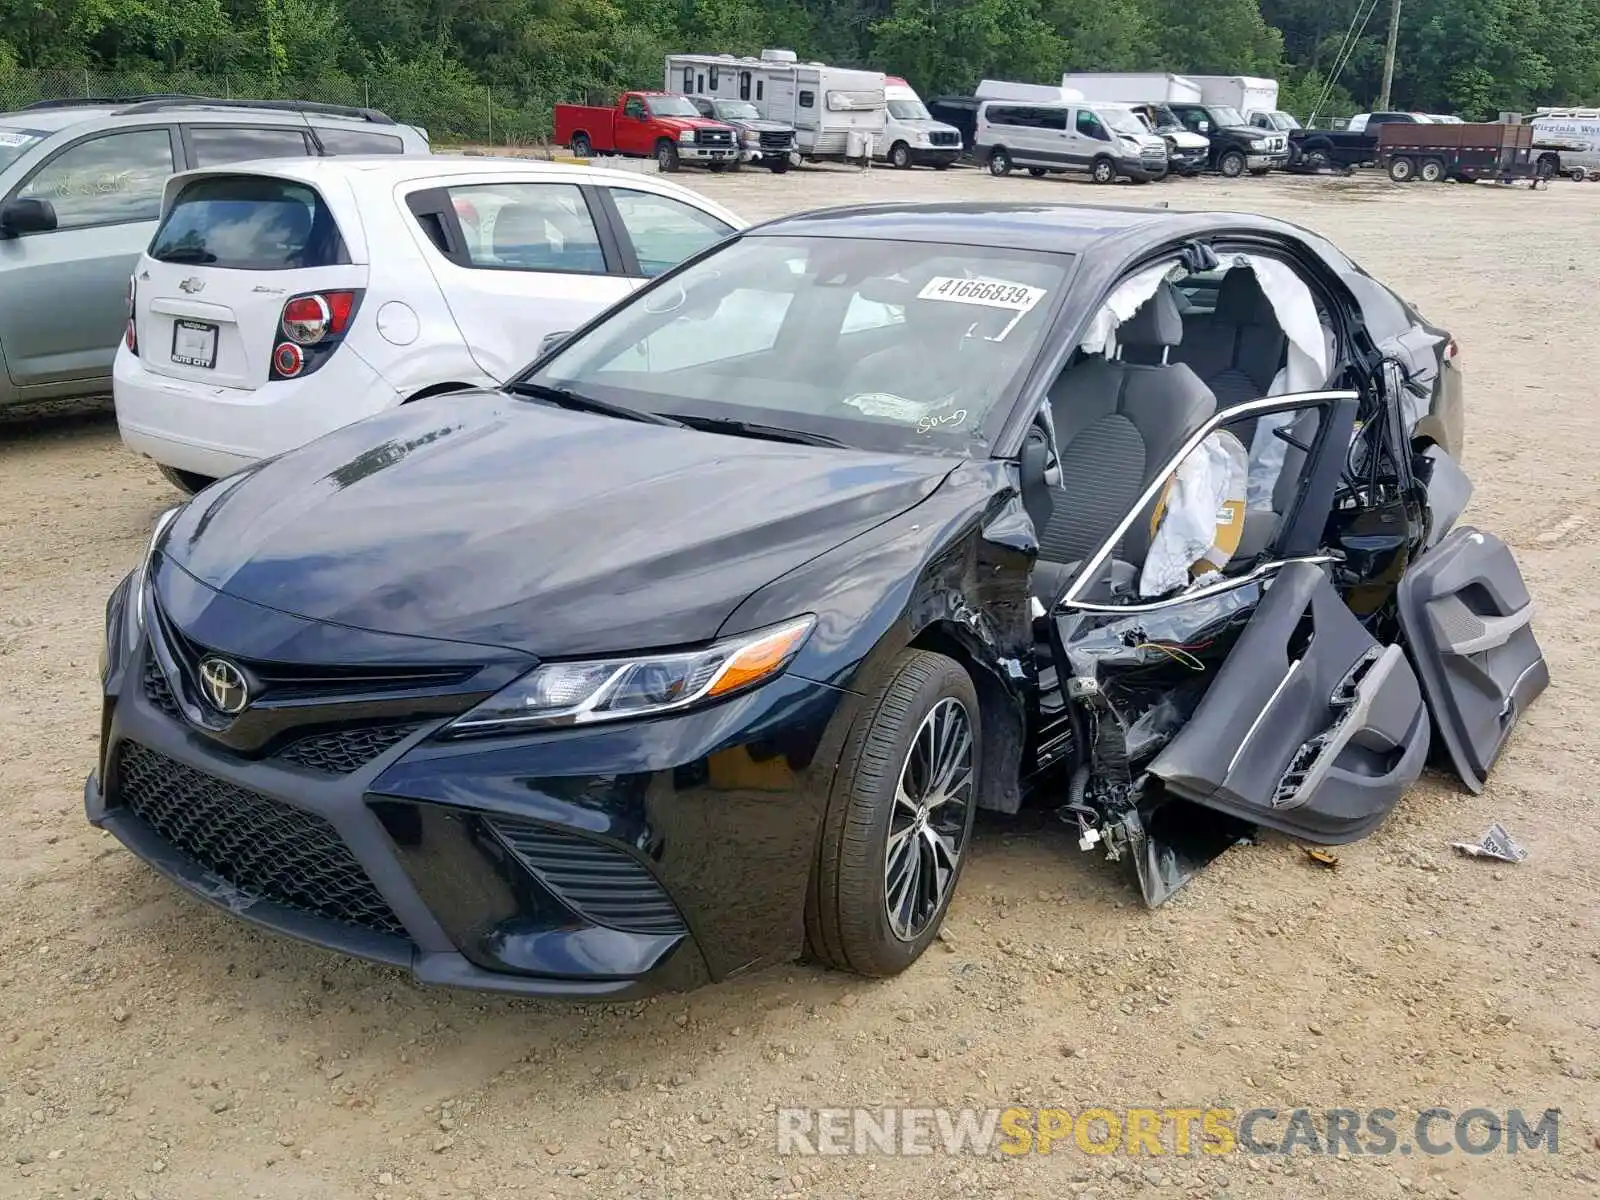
519, 260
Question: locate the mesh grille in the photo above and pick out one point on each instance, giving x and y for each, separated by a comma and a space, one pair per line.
944, 137
345, 750
775, 140
601, 884
158, 691
264, 848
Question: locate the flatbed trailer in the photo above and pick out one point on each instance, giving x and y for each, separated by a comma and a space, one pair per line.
1465, 153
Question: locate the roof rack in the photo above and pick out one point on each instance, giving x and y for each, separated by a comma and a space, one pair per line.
100, 101
163, 103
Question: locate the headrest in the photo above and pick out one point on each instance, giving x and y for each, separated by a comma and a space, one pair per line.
519, 226
1157, 322
1240, 300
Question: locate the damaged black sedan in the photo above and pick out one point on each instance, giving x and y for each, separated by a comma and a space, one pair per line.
698, 647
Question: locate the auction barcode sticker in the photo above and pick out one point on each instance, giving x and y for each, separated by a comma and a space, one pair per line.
1020, 298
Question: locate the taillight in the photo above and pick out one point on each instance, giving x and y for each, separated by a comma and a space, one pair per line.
311, 327
130, 335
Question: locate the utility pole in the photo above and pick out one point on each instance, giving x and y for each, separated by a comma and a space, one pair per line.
1388, 57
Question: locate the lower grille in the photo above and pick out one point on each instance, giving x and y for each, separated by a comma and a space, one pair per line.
601, 884
261, 846
158, 691
345, 750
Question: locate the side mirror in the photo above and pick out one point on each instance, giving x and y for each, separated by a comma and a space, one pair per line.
552, 342
27, 216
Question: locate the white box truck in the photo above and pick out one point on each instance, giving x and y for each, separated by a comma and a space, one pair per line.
1247, 93
1132, 87
1235, 146
1039, 93
837, 112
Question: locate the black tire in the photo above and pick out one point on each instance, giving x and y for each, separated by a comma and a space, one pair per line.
735, 165
941, 166
999, 162
1232, 163
716, 168
1431, 171
848, 922
1402, 169
667, 156
186, 482
779, 165
900, 156
1546, 169
1103, 171
581, 146
1258, 171
1037, 172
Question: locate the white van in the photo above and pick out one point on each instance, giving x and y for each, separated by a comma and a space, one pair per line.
1105, 140
911, 137
1575, 132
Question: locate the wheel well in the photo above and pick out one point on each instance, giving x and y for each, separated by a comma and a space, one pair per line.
665, 141
1000, 788
579, 133
437, 389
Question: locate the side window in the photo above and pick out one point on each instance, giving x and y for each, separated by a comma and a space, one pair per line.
1002, 116
212, 145
105, 180
528, 227
701, 81
758, 89
682, 343
634, 107
358, 141
1194, 119
664, 231
1089, 126
744, 85
703, 107
715, 78
1053, 118
808, 99
688, 79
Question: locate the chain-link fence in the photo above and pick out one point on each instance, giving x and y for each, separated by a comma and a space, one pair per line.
453, 109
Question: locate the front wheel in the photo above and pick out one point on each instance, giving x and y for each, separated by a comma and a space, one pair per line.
899, 819
1103, 171
666, 156
900, 156
186, 482
999, 163
1232, 164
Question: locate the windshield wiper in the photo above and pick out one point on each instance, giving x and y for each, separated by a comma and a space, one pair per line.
188, 254
567, 398
774, 433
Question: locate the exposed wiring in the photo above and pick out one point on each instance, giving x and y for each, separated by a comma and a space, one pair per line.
1177, 653
1352, 37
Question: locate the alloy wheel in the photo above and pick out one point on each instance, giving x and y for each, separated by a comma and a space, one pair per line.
927, 826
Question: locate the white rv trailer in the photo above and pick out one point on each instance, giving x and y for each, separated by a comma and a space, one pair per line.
837, 112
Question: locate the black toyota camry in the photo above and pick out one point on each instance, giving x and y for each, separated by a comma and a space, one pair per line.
697, 647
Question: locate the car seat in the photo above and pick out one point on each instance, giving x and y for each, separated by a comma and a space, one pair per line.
1239, 347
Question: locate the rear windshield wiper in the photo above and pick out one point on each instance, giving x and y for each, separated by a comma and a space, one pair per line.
187, 254
567, 398
775, 433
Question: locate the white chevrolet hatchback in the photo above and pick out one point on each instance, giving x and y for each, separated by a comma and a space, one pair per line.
281, 300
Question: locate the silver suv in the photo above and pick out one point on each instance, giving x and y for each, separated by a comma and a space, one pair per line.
81, 182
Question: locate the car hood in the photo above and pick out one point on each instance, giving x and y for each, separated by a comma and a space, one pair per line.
1184, 140
691, 122
479, 517
761, 126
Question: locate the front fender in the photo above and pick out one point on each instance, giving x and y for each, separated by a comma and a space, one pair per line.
949, 574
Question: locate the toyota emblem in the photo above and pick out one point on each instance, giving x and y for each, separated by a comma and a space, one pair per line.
224, 685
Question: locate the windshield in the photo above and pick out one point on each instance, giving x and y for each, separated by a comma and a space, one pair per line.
909, 110
1122, 120
1164, 117
13, 142
884, 345
1226, 117
736, 110
1284, 121
670, 106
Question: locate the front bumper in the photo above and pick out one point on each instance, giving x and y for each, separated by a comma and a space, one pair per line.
688, 152
934, 156
1277, 160
1187, 162
1143, 170
596, 863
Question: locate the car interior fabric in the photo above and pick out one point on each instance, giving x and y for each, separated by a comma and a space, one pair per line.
1118, 423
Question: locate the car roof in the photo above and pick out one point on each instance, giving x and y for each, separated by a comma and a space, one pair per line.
51, 118
1055, 228
398, 168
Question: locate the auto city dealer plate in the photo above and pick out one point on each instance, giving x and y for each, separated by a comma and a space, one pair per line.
194, 344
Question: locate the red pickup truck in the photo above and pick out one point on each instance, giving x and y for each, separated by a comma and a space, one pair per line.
659, 125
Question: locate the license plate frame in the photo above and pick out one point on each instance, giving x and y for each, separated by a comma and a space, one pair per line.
194, 344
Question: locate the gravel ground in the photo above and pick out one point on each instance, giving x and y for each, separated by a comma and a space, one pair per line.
154, 1049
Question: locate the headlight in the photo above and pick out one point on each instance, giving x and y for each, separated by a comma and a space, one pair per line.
686, 135
1259, 143
136, 594
751, 138
614, 689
